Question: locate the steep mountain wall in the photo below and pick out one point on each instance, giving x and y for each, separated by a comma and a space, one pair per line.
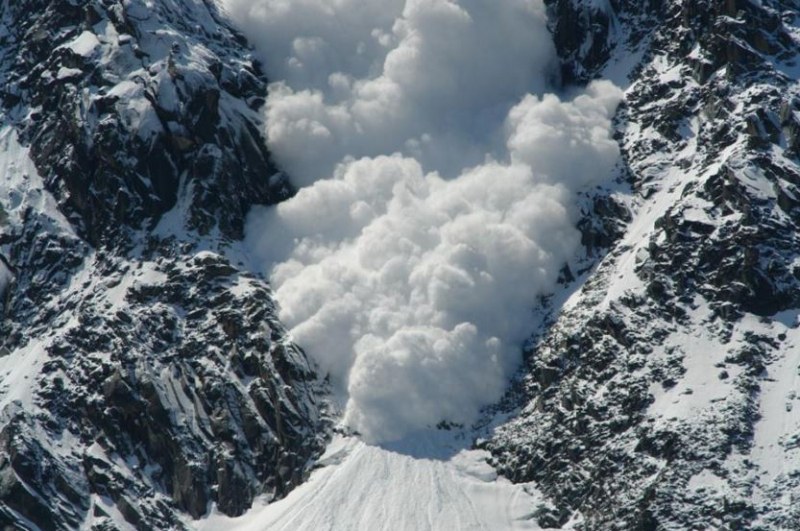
143, 374
662, 394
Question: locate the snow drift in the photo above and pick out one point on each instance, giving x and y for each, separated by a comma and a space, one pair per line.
438, 195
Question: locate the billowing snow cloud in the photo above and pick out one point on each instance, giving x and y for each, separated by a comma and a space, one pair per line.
438, 190
431, 78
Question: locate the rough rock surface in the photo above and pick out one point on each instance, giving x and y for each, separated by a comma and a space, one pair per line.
661, 394
143, 374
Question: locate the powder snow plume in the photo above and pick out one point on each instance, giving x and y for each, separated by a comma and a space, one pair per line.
438, 184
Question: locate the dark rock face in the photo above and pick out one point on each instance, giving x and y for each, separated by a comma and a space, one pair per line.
587, 37
651, 400
132, 102
143, 374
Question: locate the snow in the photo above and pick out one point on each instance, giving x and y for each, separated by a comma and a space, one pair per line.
776, 440
111, 510
21, 187
393, 266
85, 44
426, 482
700, 386
667, 192
67, 73
138, 111
116, 288
789, 318
620, 68
757, 182
706, 480
21, 194
18, 372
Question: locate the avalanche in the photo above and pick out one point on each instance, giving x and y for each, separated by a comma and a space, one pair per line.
407, 273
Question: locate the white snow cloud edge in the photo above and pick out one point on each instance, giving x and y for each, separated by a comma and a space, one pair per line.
438, 193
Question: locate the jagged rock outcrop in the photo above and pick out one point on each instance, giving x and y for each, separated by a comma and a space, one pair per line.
130, 102
143, 373
661, 393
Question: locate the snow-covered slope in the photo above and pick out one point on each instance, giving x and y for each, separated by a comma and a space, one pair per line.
430, 480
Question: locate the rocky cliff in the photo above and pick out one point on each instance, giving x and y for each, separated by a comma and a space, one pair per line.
144, 375
662, 394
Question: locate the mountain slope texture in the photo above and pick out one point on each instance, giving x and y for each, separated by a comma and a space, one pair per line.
143, 373
147, 380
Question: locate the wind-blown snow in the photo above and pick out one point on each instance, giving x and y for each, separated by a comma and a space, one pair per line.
431, 78
439, 190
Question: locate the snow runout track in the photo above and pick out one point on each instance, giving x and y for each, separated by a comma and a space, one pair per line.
427, 481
